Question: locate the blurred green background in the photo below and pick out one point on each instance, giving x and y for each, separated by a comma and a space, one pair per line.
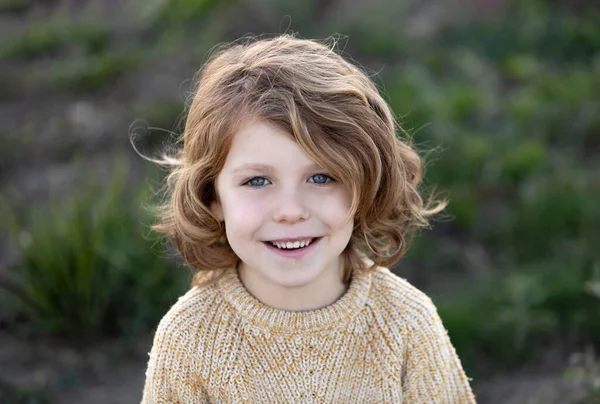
503, 98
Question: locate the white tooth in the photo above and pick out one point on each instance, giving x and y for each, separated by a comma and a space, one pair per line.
289, 244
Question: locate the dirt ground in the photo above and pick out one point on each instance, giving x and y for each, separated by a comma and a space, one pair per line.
107, 372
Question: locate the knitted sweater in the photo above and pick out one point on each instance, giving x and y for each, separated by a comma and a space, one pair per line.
381, 342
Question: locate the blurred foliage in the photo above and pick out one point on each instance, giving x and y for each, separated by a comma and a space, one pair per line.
91, 73
14, 395
584, 372
514, 102
177, 13
87, 268
14, 5
52, 37
515, 318
167, 115
509, 98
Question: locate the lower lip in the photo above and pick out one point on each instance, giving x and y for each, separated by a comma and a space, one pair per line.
298, 253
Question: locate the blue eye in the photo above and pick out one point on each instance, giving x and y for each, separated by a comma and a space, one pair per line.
257, 182
321, 179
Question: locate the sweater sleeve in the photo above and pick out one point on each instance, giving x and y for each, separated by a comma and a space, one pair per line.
433, 372
169, 373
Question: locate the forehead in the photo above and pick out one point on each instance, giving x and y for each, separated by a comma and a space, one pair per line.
258, 142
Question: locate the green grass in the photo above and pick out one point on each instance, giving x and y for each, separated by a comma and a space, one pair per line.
50, 38
511, 318
89, 73
14, 5
89, 268
514, 107
173, 14
10, 394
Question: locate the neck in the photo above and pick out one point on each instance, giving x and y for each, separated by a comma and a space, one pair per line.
322, 292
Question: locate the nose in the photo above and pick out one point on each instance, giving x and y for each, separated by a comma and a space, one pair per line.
290, 209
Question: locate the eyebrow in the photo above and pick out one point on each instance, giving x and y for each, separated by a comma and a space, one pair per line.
267, 168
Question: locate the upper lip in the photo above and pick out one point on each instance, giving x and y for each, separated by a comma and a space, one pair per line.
285, 240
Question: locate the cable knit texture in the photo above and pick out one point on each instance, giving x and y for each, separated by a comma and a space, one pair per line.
381, 342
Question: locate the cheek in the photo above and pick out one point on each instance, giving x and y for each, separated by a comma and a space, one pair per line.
242, 213
335, 207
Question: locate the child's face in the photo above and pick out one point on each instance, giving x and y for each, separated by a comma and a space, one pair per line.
287, 197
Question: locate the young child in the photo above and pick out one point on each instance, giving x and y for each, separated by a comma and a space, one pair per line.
291, 196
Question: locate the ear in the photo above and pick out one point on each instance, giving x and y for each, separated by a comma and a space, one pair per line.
217, 210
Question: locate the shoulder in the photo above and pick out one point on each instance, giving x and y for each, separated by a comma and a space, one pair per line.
181, 333
186, 318
178, 343
431, 369
401, 301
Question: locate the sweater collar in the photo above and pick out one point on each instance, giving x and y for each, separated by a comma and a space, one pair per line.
254, 312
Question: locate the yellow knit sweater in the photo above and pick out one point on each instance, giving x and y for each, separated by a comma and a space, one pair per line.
381, 342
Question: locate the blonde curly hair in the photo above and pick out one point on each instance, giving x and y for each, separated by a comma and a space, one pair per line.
336, 115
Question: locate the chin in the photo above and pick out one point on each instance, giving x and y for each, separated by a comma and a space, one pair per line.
292, 279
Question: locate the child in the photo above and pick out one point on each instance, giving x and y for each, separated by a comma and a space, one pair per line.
291, 196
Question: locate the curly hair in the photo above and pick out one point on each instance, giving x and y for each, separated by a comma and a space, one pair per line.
336, 115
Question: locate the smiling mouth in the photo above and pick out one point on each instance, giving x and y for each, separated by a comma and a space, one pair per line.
292, 245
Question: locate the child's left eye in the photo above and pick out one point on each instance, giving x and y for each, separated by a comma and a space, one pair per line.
321, 179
